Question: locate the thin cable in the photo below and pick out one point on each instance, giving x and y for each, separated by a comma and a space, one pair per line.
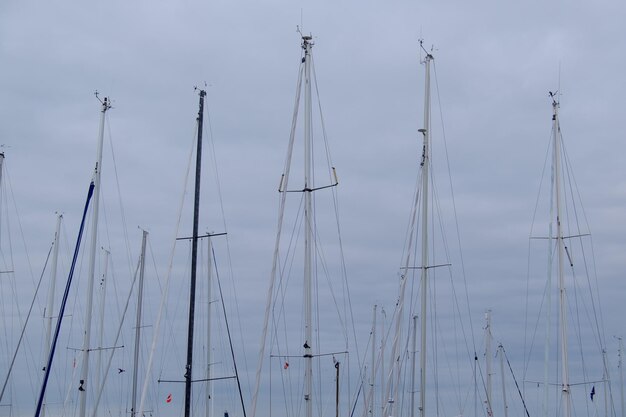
516, 384
29, 364
282, 198
117, 336
345, 286
230, 340
157, 326
119, 195
228, 251
528, 350
30, 310
456, 219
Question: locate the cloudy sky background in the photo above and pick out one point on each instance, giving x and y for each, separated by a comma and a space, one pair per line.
495, 63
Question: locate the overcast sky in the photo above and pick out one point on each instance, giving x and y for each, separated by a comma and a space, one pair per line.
495, 63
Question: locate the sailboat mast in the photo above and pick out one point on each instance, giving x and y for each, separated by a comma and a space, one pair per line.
424, 279
504, 403
488, 361
208, 410
51, 291
1, 174
308, 229
621, 374
382, 361
142, 267
413, 353
194, 259
565, 387
82, 389
103, 292
370, 406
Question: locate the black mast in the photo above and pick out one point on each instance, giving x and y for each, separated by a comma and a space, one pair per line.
194, 257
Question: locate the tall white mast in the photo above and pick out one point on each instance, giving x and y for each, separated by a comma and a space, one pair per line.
142, 267
488, 361
1, 173
51, 291
621, 373
547, 346
414, 351
382, 361
103, 292
208, 329
504, 402
82, 389
605, 382
424, 268
565, 387
370, 402
395, 371
308, 229
546, 349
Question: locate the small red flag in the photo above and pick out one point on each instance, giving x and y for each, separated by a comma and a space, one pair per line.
169, 398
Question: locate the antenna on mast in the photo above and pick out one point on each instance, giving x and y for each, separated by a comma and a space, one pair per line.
553, 96
428, 54
421, 41
106, 102
559, 83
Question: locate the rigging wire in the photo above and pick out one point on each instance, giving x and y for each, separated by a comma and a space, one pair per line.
8, 189
21, 229
456, 219
598, 331
129, 253
60, 262
516, 384
168, 276
30, 310
119, 331
595, 305
230, 341
228, 251
344, 273
527, 351
154, 392
270, 290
